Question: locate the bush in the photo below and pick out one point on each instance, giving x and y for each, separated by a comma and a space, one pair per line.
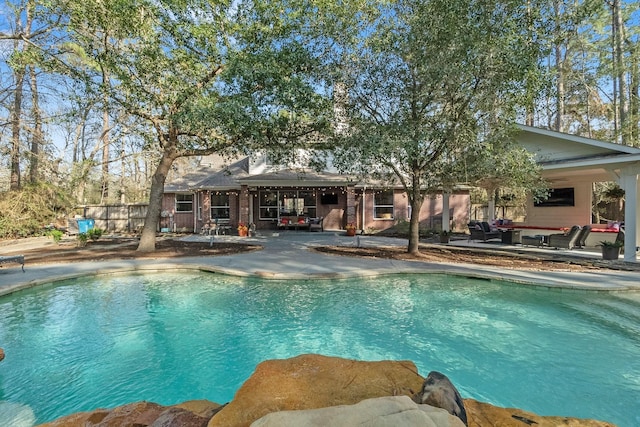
95, 233
24, 213
56, 235
82, 239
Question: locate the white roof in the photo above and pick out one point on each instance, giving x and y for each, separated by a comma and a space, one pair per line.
563, 154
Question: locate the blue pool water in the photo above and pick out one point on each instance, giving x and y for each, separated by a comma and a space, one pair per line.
103, 342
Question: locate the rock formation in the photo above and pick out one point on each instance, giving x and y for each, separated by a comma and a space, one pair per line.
351, 390
438, 391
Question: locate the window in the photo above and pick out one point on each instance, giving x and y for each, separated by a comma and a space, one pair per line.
220, 206
558, 197
184, 202
329, 199
268, 204
287, 203
383, 205
308, 199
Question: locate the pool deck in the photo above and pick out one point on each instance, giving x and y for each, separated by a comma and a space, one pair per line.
286, 255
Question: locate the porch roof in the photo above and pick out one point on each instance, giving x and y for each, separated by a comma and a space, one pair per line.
218, 176
296, 178
564, 155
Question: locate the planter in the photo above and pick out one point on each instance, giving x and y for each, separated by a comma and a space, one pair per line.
610, 252
351, 231
243, 233
444, 238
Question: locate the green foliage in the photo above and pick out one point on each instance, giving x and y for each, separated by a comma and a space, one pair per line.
95, 233
81, 239
56, 235
26, 212
427, 97
608, 244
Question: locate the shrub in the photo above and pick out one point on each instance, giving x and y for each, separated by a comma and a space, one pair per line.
56, 235
23, 213
95, 233
82, 239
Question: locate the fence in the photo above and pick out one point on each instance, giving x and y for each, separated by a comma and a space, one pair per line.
514, 213
128, 218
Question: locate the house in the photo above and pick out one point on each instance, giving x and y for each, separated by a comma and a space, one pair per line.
252, 191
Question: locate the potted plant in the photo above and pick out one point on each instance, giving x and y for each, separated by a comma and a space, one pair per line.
351, 229
243, 230
444, 236
610, 250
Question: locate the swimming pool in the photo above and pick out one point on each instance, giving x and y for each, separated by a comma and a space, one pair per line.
167, 338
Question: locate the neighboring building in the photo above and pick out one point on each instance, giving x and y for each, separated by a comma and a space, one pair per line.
251, 191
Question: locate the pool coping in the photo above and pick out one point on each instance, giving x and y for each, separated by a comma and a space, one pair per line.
292, 258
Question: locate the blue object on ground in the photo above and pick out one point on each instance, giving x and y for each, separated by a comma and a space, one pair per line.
84, 225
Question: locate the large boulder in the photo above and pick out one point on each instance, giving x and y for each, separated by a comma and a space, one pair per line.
481, 414
133, 414
314, 381
195, 413
438, 391
178, 417
392, 411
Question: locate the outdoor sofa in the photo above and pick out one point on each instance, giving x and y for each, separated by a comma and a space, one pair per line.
482, 231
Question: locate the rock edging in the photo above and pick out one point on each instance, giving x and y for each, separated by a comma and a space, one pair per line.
312, 388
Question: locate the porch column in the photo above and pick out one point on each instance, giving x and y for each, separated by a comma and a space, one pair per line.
206, 205
446, 219
629, 183
243, 201
351, 205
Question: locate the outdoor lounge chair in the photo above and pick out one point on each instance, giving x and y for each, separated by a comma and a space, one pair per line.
582, 236
482, 231
13, 258
315, 224
564, 240
620, 240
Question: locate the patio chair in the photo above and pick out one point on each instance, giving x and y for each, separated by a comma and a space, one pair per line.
564, 240
620, 240
582, 236
315, 224
482, 231
19, 259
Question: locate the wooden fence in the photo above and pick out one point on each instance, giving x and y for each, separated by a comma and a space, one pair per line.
128, 218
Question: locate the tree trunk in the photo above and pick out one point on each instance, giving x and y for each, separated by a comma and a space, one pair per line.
618, 38
560, 76
16, 125
104, 196
416, 199
37, 139
634, 97
148, 237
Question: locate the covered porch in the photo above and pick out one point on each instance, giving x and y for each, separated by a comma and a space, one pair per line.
573, 162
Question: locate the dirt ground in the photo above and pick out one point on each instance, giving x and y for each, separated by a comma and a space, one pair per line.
125, 248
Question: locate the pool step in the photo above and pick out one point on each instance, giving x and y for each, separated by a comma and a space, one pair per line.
619, 314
